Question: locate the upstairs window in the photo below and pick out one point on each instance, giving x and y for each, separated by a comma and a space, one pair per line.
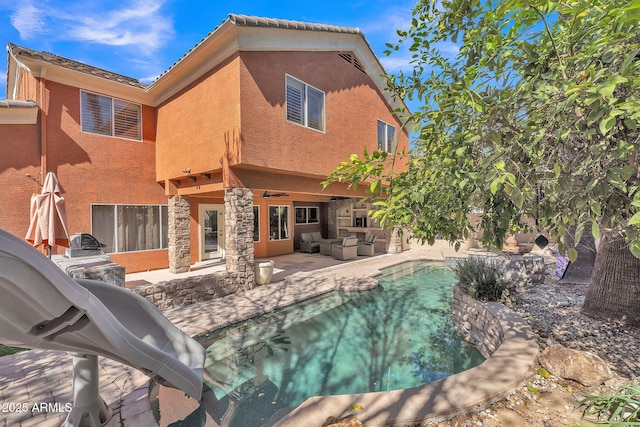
108, 116
305, 104
386, 137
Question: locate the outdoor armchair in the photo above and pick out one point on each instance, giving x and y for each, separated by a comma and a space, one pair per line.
347, 250
368, 247
308, 243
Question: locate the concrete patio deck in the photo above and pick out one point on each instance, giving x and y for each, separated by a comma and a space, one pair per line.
41, 381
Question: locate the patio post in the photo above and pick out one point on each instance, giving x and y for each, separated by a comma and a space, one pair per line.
179, 239
238, 230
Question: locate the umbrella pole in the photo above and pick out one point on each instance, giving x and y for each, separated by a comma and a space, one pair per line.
49, 250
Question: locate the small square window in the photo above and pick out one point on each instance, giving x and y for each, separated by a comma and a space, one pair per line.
305, 104
108, 116
307, 215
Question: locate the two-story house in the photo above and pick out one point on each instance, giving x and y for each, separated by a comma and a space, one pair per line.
221, 156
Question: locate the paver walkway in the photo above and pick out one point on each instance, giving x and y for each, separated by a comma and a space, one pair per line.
36, 385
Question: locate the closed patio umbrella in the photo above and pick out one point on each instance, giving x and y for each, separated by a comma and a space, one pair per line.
48, 218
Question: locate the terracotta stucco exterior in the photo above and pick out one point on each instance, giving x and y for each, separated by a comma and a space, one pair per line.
204, 129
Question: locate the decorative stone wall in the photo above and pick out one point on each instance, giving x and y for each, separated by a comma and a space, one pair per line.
521, 269
517, 269
238, 229
179, 240
475, 323
189, 290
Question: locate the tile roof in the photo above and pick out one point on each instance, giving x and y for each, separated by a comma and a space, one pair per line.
235, 19
255, 21
73, 65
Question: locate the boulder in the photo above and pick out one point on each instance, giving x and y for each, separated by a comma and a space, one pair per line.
348, 421
582, 366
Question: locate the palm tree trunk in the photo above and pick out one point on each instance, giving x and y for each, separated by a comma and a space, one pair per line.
614, 291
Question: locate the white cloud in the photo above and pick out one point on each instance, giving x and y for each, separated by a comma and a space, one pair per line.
141, 24
396, 62
28, 20
448, 49
398, 18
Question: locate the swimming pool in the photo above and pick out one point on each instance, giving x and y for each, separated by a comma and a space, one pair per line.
399, 335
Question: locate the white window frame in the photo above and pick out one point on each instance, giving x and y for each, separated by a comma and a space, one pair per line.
256, 222
308, 208
116, 243
113, 115
385, 143
288, 224
306, 88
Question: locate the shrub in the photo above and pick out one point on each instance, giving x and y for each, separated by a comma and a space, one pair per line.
480, 278
619, 409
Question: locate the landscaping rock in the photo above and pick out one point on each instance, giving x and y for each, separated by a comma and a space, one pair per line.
348, 421
584, 367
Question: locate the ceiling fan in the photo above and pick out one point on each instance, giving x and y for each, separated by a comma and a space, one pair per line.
267, 194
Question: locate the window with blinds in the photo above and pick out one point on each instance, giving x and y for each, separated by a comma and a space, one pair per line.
305, 104
386, 137
108, 116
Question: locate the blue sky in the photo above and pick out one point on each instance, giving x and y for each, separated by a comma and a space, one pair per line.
144, 37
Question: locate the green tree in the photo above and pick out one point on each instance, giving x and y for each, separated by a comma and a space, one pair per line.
538, 115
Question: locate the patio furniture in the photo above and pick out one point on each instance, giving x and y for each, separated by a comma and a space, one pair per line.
326, 244
310, 242
348, 249
368, 247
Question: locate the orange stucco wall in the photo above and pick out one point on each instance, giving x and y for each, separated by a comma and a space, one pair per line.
91, 168
352, 107
235, 115
94, 168
20, 147
265, 247
196, 126
231, 123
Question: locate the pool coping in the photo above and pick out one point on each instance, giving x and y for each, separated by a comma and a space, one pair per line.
39, 375
476, 388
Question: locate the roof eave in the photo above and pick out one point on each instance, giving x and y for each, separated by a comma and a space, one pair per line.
18, 112
230, 38
216, 47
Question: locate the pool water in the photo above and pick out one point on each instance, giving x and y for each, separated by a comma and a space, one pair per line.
397, 336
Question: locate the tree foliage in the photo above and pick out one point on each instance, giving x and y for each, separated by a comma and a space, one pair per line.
537, 114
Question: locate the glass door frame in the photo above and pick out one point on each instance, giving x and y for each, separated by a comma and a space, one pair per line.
219, 253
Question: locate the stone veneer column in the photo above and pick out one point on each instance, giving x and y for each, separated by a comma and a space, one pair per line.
238, 232
179, 240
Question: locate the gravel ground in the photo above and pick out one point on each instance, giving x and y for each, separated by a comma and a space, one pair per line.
553, 312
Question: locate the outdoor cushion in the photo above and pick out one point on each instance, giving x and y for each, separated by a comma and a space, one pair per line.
350, 241
347, 250
316, 236
306, 237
